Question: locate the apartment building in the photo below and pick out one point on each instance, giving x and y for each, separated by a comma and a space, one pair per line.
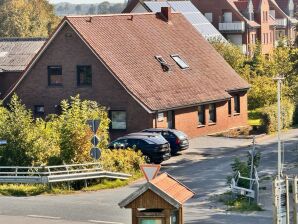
244, 22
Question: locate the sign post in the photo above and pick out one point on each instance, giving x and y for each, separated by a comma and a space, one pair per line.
281, 201
95, 152
150, 171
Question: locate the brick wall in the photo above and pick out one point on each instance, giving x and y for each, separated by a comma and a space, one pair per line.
265, 31
69, 52
186, 119
7, 79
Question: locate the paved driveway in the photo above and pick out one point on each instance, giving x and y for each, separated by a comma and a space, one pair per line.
203, 168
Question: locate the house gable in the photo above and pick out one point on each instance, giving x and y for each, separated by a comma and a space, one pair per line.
68, 51
150, 199
68, 30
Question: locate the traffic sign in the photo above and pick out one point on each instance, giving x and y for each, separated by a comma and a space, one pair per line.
95, 140
94, 125
3, 142
95, 153
150, 171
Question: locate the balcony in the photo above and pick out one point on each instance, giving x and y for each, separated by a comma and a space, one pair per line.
281, 23
231, 27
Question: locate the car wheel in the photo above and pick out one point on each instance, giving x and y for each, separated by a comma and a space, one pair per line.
174, 153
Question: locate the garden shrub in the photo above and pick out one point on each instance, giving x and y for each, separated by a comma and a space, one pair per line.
243, 167
122, 160
269, 116
30, 142
75, 134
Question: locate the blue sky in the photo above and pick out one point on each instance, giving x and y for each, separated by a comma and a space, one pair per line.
83, 1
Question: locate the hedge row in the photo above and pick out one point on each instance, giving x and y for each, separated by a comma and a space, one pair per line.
269, 116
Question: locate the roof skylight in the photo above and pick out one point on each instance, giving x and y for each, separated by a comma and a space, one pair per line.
179, 61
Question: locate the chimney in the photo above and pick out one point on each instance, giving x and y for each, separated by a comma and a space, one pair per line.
166, 12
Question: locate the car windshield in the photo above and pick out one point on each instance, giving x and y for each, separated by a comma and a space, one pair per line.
180, 134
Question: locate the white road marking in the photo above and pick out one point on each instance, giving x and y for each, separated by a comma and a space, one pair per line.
96, 221
43, 217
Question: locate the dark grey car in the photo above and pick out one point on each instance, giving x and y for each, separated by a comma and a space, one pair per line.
177, 139
154, 147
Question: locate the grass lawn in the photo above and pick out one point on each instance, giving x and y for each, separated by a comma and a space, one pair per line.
254, 118
239, 204
24, 190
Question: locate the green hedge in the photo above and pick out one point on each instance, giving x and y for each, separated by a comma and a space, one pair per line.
269, 116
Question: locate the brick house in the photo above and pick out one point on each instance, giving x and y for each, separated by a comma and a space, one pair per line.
243, 22
149, 70
290, 8
15, 55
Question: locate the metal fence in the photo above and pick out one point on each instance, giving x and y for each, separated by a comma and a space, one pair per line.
54, 174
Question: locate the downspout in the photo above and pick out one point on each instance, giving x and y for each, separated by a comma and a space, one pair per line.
156, 116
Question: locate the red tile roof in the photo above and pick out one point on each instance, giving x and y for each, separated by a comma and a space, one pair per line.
166, 187
172, 188
128, 44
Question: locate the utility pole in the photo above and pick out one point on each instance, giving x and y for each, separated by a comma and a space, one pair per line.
279, 80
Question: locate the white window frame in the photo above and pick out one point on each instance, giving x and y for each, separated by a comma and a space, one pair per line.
118, 124
179, 61
209, 16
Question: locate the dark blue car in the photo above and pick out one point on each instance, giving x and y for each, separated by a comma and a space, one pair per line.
177, 139
154, 147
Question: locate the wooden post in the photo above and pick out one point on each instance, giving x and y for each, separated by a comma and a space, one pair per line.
167, 213
181, 219
134, 218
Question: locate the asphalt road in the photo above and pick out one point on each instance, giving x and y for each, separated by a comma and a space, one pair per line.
203, 168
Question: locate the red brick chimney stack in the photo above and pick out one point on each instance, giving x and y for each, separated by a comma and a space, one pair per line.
166, 12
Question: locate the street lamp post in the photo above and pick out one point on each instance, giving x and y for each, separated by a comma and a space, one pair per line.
279, 80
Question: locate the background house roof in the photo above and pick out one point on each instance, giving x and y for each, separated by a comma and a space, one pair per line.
16, 53
238, 7
191, 13
128, 44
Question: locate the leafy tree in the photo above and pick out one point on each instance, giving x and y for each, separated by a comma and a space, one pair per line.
29, 142
260, 70
26, 18
75, 134
92, 9
232, 54
78, 9
243, 167
104, 8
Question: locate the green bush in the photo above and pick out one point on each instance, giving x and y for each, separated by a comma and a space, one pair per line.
61, 138
243, 167
269, 116
75, 134
30, 142
126, 161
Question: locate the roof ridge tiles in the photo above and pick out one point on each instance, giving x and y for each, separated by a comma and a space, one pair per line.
120, 14
16, 39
